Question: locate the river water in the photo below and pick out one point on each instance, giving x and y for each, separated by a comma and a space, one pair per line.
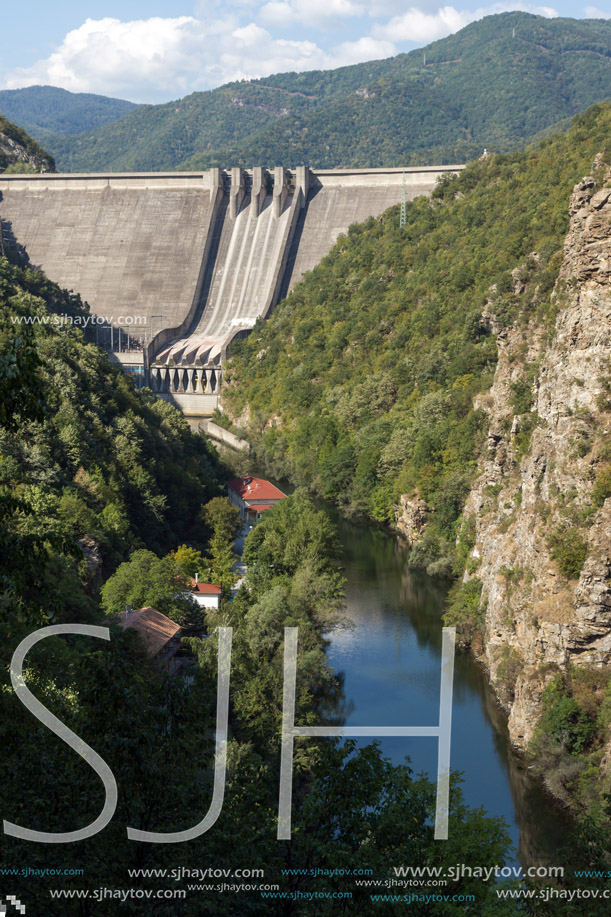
391, 662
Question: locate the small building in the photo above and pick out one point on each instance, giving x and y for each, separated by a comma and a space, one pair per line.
207, 595
252, 496
160, 634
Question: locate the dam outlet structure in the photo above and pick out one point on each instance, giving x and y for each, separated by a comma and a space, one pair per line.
175, 266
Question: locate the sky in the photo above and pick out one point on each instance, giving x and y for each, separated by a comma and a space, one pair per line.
158, 50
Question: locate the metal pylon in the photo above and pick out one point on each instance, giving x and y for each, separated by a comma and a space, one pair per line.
403, 217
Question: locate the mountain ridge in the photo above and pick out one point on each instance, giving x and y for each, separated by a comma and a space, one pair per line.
48, 110
496, 83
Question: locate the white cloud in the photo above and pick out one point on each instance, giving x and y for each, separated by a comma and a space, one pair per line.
152, 58
317, 13
416, 25
367, 48
155, 59
593, 12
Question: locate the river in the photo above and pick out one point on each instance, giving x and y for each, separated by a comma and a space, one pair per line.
390, 658
391, 662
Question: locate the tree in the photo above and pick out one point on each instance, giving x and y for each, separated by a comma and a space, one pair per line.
224, 520
222, 517
221, 560
291, 533
146, 579
188, 560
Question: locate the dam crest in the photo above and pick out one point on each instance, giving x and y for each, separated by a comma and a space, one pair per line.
177, 265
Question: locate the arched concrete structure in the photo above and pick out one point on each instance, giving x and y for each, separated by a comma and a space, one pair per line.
184, 262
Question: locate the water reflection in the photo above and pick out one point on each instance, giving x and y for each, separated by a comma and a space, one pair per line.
391, 662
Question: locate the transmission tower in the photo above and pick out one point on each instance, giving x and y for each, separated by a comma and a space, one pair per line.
403, 217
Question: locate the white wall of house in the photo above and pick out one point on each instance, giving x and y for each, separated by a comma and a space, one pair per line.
207, 601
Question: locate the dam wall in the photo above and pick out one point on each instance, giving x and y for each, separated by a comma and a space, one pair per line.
339, 197
182, 263
131, 245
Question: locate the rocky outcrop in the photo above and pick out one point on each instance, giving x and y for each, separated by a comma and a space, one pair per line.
411, 518
18, 150
93, 559
533, 507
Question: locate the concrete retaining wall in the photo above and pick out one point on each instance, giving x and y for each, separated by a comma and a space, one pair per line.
224, 436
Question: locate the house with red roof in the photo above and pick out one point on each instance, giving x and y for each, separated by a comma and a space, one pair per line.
160, 634
207, 595
252, 496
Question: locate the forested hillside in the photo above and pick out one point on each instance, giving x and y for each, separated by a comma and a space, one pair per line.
361, 384
84, 456
19, 153
44, 110
494, 84
92, 471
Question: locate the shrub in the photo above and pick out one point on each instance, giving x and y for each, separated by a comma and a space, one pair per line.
507, 673
528, 422
465, 610
569, 550
602, 487
568, 724
521, 396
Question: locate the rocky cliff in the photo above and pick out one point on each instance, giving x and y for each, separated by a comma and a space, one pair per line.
538, 513
18, 152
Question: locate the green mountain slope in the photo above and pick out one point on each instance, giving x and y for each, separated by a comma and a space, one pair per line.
83, 455
19, 153
360, 386
495, 83
44, 110
157, 137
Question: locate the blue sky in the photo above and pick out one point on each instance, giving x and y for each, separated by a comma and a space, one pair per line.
158, 50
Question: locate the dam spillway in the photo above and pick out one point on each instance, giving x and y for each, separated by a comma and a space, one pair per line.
175, 265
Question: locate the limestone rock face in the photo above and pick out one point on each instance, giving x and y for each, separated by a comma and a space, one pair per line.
13, 151
411, 515
526, 492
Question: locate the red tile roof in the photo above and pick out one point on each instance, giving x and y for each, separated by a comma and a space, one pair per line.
250, 488
156, 629
205, 588
260, 507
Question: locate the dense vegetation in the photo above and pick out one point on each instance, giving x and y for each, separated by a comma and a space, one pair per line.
18, 152
569, 741
93, 473
495, 83
98, 479
361, 384
84, 456
44, 110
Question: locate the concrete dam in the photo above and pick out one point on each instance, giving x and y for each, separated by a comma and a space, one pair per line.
176, 265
